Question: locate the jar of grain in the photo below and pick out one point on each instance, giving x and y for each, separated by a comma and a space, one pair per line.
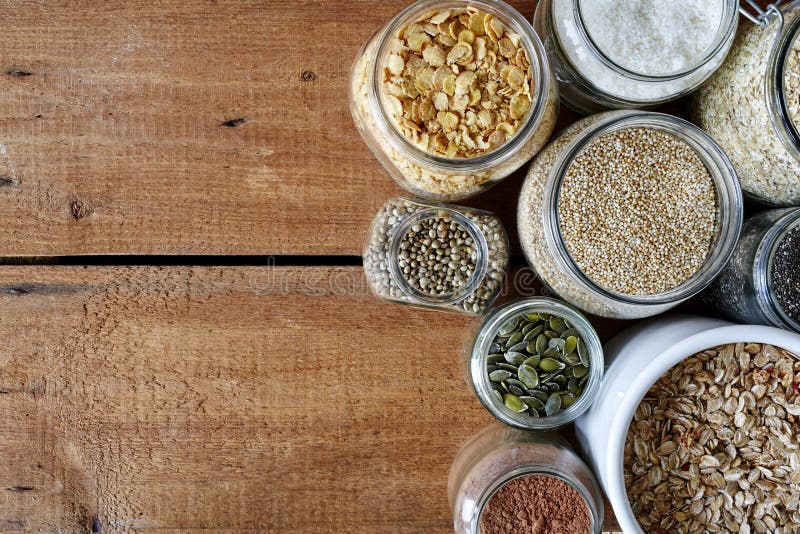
453, 96
634, 54
534, 481
751, 106
629, 213
439, 256
761, 283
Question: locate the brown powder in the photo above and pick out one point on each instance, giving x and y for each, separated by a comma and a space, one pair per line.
536, 504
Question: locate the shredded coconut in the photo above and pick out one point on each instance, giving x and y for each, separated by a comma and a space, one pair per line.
624, 28
653, 37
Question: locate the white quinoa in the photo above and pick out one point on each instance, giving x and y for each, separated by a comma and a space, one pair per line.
732, 108
637, 211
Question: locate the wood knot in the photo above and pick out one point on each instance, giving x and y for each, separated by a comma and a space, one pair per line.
79, 210
233, 123
308, 76
7, 181
18, 72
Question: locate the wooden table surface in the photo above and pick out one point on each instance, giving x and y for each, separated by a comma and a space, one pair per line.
188, 340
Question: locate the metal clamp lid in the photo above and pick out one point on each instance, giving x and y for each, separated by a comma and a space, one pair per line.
762, 17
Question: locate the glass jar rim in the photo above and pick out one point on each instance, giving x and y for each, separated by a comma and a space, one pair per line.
479, 351
727, 27
777, 106
763, 264
726, 184
535, 469
478, 238
539, 65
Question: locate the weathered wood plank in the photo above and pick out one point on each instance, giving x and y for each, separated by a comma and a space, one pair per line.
188, 127
231, 399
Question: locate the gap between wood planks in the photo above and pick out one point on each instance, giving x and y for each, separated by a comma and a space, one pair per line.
203, 261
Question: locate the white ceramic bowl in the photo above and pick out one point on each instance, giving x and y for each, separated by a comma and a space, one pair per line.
635, 360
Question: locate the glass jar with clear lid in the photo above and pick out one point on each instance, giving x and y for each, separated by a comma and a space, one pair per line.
498, 455
453, 96
746, 290
540, 224
532, 415
751, 106
635, 54
434, 255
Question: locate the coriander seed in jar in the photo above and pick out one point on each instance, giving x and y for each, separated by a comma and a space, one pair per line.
751, 106
609, 54
439, 256
453, 96
628, 213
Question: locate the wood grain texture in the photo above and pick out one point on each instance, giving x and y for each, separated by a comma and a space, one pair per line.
233, 400
188, 127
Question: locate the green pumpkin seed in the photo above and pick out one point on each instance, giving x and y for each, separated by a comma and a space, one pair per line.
514, 339
583, 353
499, 375
494, 358
497, 395
533, 402
541, 344
567, 400
527, 328
532, 317
519, 347
544, 316
580, 371
573, 386
550, 334
558, 324
569, 332
508, 327
533, 361
570, 344
513, 403
551, 353
561, 380
516, 383
571, 359
516, 391
494, 348
491, 368
507, 367
515, 358
558, 344
549, 365
553, 404
541, 395
528, 376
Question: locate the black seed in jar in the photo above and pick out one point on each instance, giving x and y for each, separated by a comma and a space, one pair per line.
785, 274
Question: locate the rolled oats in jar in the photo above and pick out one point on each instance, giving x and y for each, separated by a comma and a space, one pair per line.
439, 256
452, 97
752, 103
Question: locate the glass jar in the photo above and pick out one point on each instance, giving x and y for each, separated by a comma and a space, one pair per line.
415, 168
744, 106
540, 232
476, 262
478, 351
744, 291
498, 454
598, 70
